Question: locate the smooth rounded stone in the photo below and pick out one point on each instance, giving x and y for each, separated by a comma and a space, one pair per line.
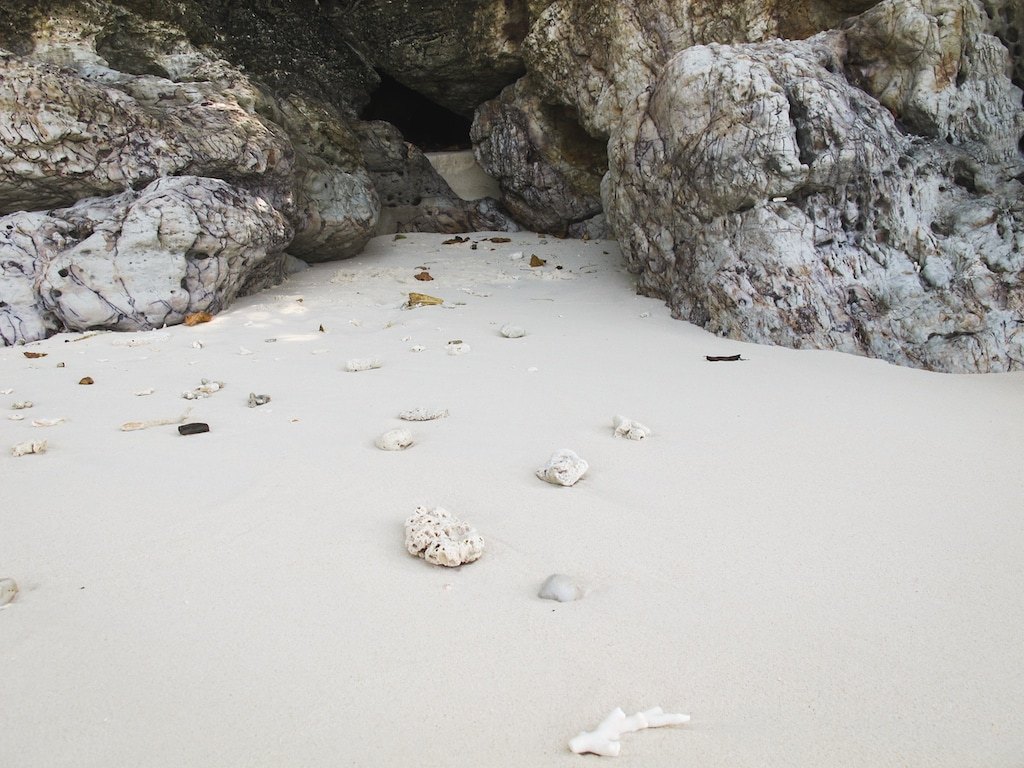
395, 440
8, 590
631, 430
195, 428
560, 587
511, 331
564, 467
362, 364
440, 538
423, 414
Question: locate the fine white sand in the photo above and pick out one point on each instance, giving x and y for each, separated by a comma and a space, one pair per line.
816, 556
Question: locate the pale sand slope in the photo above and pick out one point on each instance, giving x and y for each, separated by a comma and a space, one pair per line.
817, 556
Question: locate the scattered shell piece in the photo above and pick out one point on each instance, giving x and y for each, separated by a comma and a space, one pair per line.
560, 587
131, 426
645, 314
532, 369
417, 348
33, 355
604, 740
510, 331
144, 392
440, 538
47, 422
422, 300
244, 351
86, 380
395, 440
633, 430
362, 364
197, 344
457, 347
515, 255
21, 405
255, 400
198, 317
8, 590
563, 468
7, 391
195, 428
31, 446
16, 417
423, 414
205, 389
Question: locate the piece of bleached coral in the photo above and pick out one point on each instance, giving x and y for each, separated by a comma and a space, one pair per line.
205, 389
560, 587
604, 740
362, 364
395, 440
512, 331
8, 590
423, 414
563, 468
29, 447
440, 538
632, 430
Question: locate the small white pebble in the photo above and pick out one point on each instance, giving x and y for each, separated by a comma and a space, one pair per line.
16, 417
8, 590
423, 414
144, 392
46, 422
645, 314
197, 344
362, 364
560, 587
457, 348
6, 391
395, 440
510, 331
21, 405
244, 351
532, 369
417, 348
515, 255
632, 430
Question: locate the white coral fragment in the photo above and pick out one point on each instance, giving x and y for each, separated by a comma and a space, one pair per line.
632, 430
47, 422
8, 590
362, 364
205, 389
21, 405
511, 331
563, 468
29, 447
423, 414
604, 740
457, 348
395, 440
440, 538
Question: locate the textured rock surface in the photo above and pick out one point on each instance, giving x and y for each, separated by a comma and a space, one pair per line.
456, 52
440, 538
766, 198
549, 169
137, 260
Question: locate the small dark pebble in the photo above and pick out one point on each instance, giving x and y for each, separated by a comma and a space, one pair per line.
86, 380
194, 428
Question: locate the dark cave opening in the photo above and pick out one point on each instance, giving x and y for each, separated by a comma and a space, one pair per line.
429, 126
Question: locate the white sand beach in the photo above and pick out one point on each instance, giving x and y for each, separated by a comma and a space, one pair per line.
816, 556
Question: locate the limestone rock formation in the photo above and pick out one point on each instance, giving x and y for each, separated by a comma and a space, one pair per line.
549, 169
136, 261
767, 198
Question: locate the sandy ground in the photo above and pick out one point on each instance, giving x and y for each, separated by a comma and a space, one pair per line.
816, 556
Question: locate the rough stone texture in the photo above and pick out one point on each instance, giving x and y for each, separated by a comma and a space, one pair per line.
440, 538
766, 198
599, 55
1006, 21
136, 261
413, 196
548, 167
458, 53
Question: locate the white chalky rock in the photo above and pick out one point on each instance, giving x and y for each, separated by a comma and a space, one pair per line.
145, 392
440, 538
362, 364
632, 430
510, 331
457, 348
423, 414
8, 590
21, 405
395, 440
563, 468
560, 587
604, 740
31, 446
46, 422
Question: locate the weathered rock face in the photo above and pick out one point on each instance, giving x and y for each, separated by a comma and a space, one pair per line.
136, 261
456, 52
549, 169
767, 198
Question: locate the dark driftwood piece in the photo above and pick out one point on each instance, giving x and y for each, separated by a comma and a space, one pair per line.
722, 358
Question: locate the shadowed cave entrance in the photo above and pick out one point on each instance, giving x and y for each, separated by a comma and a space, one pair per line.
429, 126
